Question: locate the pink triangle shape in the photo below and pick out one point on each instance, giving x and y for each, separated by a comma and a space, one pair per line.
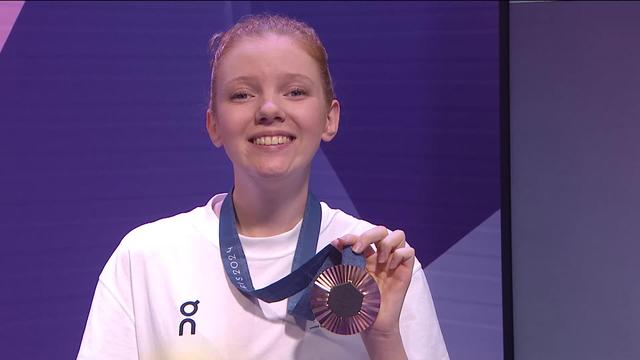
9, 11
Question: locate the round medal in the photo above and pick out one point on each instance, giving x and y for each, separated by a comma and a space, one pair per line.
345, 299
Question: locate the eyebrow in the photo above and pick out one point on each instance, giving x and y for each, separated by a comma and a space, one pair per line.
245, 78
295, 76
240, 79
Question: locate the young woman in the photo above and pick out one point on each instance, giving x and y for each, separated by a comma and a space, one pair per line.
168, 291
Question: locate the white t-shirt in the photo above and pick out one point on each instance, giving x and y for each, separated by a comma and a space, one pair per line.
164, 294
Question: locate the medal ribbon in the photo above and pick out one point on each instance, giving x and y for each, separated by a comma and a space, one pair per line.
306, 263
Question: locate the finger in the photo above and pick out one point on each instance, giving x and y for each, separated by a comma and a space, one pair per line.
355, 241
372, 236
351, 239
357, 246
368, 251
390, 243
402, 255
344, 240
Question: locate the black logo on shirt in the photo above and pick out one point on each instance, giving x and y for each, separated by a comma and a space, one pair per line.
183, 310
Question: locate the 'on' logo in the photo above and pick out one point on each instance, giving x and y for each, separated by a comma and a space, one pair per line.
188, 309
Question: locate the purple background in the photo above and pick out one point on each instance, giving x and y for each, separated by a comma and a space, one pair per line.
575, 172
102, 129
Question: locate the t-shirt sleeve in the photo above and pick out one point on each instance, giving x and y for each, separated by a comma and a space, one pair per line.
419, 325
110, 330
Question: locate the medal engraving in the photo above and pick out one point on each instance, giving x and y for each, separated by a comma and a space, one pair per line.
345, 299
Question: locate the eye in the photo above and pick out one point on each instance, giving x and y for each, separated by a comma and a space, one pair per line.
297, 92
240, 95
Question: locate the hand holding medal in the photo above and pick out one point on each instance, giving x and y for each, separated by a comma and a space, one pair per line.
359, 294
391, 266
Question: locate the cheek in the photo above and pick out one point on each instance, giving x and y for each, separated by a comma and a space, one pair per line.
314, 117
233, 121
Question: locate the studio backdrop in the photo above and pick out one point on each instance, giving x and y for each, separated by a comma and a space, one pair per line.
102, 129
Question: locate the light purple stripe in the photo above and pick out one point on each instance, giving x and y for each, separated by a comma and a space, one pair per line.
9, 11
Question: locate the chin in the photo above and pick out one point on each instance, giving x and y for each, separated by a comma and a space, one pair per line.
272, 172
282, 171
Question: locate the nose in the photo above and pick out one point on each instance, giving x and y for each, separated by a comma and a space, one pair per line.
269, 112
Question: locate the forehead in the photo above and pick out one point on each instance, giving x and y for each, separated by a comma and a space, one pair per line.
265, 57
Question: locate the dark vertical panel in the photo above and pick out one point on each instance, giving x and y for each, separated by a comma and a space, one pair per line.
505, 177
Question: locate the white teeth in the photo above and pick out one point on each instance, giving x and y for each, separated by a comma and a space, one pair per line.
272, 140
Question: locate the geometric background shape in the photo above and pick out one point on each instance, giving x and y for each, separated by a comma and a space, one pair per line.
466, 283
9, 11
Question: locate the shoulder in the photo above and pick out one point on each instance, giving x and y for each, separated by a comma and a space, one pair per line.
172, 233
159, 245
162, 231
338, 220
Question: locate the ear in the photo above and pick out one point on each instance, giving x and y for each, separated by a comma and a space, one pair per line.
212, 129
333, 121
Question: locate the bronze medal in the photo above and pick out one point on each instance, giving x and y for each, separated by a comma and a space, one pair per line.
345, 299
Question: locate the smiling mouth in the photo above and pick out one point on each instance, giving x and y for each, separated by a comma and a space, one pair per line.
272, 140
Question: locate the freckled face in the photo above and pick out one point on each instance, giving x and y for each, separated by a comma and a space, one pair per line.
270, 111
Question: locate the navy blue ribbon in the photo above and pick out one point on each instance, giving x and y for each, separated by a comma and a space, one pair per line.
306, 263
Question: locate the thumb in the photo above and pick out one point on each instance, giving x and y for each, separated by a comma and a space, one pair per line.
344, 240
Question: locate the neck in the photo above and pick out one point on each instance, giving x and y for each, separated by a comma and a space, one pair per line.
267, 208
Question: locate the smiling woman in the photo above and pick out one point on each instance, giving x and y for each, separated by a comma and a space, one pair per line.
163, 294
267, 86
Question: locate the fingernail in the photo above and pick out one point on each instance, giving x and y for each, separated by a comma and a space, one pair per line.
357, 248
